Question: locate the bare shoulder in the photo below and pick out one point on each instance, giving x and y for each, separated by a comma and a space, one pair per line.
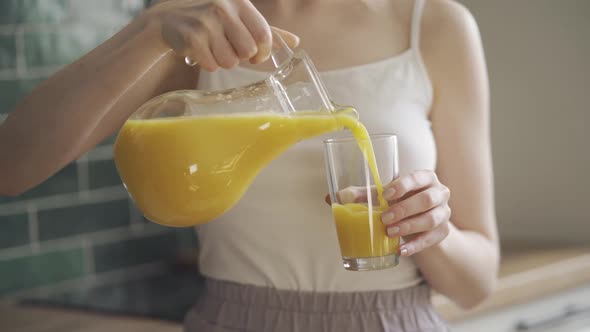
451, 46
453, 53
449, 30
447, 19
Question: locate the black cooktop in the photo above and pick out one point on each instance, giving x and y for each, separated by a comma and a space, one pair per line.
168, 296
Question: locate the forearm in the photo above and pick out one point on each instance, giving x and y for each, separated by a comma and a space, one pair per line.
81, 105
464, 266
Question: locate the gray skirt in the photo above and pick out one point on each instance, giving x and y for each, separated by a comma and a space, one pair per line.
227, 306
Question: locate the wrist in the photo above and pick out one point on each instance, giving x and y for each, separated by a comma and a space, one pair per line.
147, 27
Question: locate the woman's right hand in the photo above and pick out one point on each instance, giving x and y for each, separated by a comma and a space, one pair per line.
216, 33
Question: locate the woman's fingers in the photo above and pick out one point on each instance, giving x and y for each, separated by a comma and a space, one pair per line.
238, 35
424, 222
414, 181
216, 33
425, 240
419, 209
416, 204
259, 30
222, 50
198, 50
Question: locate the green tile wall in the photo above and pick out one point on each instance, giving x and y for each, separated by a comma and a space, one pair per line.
64, 181
7, 51
12, 90
15, 230
109, 140
103, 173
42, 269
137, 251
186, 238
32, 11
61, 46
80, 219
37, 226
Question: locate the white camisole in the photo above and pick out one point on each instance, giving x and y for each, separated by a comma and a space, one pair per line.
282, 234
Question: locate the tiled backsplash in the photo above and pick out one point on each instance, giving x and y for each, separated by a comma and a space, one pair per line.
78, 226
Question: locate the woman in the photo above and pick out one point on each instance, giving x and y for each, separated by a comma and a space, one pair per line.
413, 67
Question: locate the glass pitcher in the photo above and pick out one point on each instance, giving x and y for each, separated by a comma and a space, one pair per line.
188, 156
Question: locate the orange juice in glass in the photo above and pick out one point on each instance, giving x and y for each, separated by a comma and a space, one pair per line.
356, 170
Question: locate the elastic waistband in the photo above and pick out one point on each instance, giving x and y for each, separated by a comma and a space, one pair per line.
249, 295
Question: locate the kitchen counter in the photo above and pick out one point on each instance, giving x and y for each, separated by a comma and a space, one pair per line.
525, 275
15, 318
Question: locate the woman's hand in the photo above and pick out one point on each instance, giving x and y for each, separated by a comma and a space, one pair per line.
419, 211
216, 33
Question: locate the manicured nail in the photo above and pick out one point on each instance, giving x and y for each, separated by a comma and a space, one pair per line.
387, 217
404, 251
389, 193
347, 195
392, 231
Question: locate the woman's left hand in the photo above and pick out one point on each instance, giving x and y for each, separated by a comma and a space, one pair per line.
419, 211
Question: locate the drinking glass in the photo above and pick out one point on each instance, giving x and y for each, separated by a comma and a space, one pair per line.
363, 240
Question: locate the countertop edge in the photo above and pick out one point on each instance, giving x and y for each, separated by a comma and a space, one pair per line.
522, 287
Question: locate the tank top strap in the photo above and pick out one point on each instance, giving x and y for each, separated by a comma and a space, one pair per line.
416, 23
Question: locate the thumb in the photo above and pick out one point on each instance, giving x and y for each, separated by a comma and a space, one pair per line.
349, 195
352, 195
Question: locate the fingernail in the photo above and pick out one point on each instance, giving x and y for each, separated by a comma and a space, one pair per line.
404, 252
392, 231
389, 193
294, 39
252, 53
265, 47
347, 195
387, 217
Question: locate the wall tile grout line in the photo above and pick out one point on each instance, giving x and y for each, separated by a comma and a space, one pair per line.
136, 217
83, 178
33, 227
70, 12
100, 153
98, 238
88, 252
102, 195
44, 70
30, 73
8, 74
102, 279
29, 27
21, 65
7, 29
12, 72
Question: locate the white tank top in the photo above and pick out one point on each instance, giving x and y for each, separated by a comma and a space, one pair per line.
282, 234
